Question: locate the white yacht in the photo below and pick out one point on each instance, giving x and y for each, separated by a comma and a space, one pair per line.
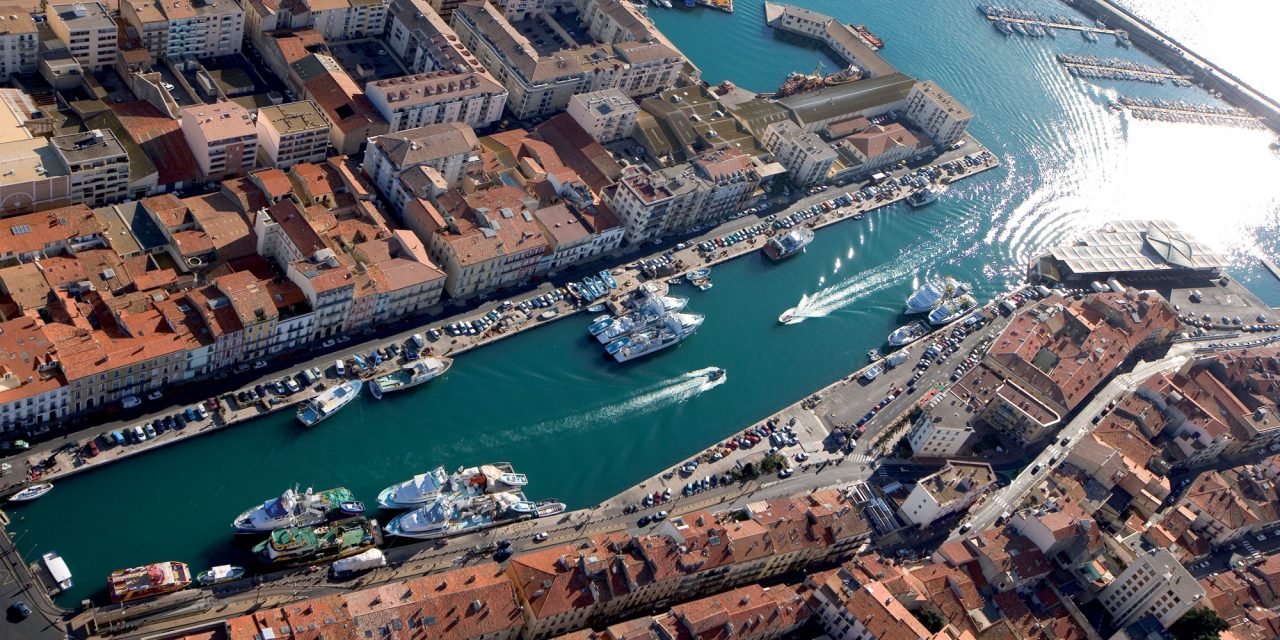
410, 375
674, 328
649, 314
951, 310
415, 491
292, 509
423, 488
907, 334
934, 292
925, 196
451, 515
320, 408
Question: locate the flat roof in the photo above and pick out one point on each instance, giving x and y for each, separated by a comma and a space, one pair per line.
88, 145
1136, 245
32, 159
294, 117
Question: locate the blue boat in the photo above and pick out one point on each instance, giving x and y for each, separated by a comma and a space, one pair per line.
608, 279
597, 327
598, 285
616, 345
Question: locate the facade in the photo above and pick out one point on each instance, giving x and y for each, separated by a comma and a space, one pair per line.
1153, 584
880, 146
173, 29
222, 137
935, 112
807, 158
19, 42
97, 166
88, 31
291, 133
653, 204
937, 439
33, 391
438, 97
607, 115
948, 491
342, 20
444, 148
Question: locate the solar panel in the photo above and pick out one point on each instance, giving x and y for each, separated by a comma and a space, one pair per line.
21, 229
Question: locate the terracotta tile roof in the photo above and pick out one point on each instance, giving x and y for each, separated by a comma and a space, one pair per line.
579, 151
273, 182
478, 239
878, 140
883, 616
32, 232
296, 226
25, 349
225, 225
161, 139
1211, 496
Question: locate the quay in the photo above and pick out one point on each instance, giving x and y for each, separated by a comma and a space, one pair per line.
1186, 112
1113, 69
60, 457
1056, 25
845, 42
1271, 266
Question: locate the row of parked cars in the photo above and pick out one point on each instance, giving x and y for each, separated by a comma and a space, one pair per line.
148, 430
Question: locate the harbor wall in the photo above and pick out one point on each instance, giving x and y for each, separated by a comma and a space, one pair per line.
1183, 60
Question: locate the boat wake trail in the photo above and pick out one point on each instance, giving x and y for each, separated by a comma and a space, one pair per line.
648, 399
826, 301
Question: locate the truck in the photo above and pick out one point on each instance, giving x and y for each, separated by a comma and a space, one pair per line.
896, 358
371, 559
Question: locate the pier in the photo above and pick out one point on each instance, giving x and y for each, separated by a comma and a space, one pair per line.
1117, 69
1046, 24
1167, 111
1271, 266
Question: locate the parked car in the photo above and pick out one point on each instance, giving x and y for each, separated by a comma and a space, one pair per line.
130, 402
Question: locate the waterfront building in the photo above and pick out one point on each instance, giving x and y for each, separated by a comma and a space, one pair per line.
291, 133
1153, 584
751, 612
222, 137
682, 122
607, 116
879, 146
19, 42
542, 83
807, 158
33, 390
423, 39
940, 116
935, 438
842, 39
947, 491
676, 199
173, 29
446, 149
1137, 248
868, 98
88, 31
437, 97
614, 21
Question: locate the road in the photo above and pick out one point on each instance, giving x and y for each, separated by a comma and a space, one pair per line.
995, 504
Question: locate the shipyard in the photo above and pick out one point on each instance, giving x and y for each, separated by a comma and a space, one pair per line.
798, 320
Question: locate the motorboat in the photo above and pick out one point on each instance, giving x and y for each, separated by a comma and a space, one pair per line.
788, 244
410, 375
925, 196
32, 492
907, 334
608, 279
416, 491
788, 316
674, 329
58, 571
952, 309
322, 407
715, 374
292, 508
934, 292
220, 574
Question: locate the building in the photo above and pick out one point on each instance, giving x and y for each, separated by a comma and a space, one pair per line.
97, 166
850, 610
437, 97
177, 28
88, 31
607, 115
444, 148
423, 39
932, 438
841, 39
807, 158
19, 42
653, 204
222, 137
869, 97
291, 133
1153, 584
940, 116
1144, 248
342, 20
879, 146
33, 390
947, 491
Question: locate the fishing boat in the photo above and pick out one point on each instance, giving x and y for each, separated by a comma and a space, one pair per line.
925, 196
674, 329
907, 334
788, 244
292, 508
575, 290
137, 583
58, 571
699, 273
873, 355
546, 508
952, 309
872, 373
934, 292
220, 574
410, 375
608, 279
320, 408
318, 543
32, 492
351, 508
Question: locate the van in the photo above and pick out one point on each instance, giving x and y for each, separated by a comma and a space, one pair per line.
340, 368
309, 376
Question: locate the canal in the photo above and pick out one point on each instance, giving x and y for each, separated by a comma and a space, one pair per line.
584, 428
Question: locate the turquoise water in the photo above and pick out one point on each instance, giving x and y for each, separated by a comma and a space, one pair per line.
584, 428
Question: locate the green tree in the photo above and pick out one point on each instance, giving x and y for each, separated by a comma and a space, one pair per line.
1200, 623
930, 619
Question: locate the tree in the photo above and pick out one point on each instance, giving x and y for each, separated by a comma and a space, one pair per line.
1200, 623
930, 619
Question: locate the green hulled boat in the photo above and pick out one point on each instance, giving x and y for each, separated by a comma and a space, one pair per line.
318, 543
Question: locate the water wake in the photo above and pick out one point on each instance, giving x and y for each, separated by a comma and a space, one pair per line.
827, 301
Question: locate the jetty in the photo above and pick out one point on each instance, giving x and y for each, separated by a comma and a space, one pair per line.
1178, 111
1271, 266
854, 45
1054, 24
1119, 69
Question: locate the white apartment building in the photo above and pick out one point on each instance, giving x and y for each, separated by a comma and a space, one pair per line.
936, 112
653, 204
19, 42
222, 137
424, 40
807, 158
1154, 583
446, 148
931, 438
88, 31
949, 490
291, 133
472, 98
97, 166
176, 28
347, 19
606, 115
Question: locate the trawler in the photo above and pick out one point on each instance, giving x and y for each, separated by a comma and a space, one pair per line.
318, 543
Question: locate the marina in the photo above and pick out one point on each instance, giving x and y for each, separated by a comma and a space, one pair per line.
1030, 23
1119, 69
1187, 112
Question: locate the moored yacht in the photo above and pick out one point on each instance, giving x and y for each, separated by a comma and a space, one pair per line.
451, 515
415, 491
788, 244
320, 408
907, 334
952, 309
649, 314
934, 292
410, 375
673, 329
292, 508
925, 196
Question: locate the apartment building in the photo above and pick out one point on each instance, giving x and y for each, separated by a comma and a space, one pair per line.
607, 115
177, 28
424, 40
653, 204
935, 438
807, 158
97, 166
1153, 584
88, 31
342, 20
291, 133
33, 390
222, 137
437, 97
850, 610
947, 491
19, 42
880, 146
444, 148
936, 112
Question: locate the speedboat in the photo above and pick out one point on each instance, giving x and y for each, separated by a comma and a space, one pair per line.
32, 492
292, 508
873, 355
788, 316
220, 574
934, 292
715, 374
907, 334
320, 408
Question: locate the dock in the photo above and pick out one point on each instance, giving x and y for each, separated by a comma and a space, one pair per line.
1118, 69
1167, 111
1271, 266
1040, 22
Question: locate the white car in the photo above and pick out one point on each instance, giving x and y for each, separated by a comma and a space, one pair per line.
260, 364
540, 536
155, 395
129, 402
802, 456
786, 473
